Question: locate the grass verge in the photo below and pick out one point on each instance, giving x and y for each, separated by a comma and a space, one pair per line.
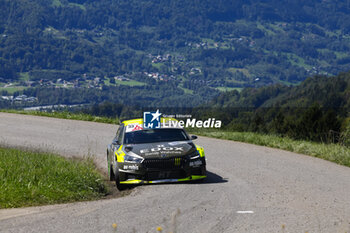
66, 115
331, 152
30, 178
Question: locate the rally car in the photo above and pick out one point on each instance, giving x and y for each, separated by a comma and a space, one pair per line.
145, 156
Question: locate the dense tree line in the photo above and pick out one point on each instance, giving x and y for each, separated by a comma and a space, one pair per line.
317, 109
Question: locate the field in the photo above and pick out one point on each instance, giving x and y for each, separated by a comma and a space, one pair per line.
229, 89
12, 89
35, 178
129, 83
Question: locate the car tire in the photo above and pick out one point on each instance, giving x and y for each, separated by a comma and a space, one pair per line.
111, 173
120, 186
110, 169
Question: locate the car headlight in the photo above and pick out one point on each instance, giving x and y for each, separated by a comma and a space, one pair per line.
132, 158
195, 160
194, 155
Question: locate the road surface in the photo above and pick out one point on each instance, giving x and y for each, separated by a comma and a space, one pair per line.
249, 188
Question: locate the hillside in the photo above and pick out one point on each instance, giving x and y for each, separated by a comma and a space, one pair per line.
327, 92
221, 44
317, 109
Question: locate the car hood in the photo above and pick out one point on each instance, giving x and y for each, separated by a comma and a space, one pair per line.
163, 149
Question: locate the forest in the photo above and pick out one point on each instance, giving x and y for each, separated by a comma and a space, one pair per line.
221, 44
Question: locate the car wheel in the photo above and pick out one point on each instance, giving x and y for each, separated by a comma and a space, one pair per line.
111, 173
120, 186
110, 169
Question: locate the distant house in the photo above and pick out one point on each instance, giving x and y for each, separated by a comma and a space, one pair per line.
30, 83
97, 81
20, 98
7, 97
31, 99
121, 78
24, 98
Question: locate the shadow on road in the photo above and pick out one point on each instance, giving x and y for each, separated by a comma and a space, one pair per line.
213, 178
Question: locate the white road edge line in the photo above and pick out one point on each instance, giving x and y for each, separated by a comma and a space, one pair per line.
245, 212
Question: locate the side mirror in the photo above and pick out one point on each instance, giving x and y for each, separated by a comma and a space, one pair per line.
194, 137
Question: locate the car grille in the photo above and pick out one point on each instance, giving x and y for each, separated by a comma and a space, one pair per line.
158, 175
168, 163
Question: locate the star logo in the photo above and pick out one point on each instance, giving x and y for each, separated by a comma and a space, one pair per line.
151, 120
156, 115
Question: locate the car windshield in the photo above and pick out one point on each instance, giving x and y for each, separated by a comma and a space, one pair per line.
155, 135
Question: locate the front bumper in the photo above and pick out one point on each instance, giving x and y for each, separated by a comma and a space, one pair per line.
136, 181
162, 171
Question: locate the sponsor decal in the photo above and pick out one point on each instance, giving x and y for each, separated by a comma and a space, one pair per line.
133, 127
130, 167
196, 163
177, 161
162, 149
137, 127
164, 174
151, 120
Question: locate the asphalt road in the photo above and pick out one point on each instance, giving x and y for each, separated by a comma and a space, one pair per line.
282, 191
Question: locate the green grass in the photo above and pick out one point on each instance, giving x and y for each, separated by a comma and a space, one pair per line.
31, 178
288, 83
331, 152
297, 60
275, 27
13, 89
56, 3
265, 29
207, 40
24, 76
223, 89
158, 65
340, 55
131, 83
244, 71
82, 7
186, 90
67, 115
